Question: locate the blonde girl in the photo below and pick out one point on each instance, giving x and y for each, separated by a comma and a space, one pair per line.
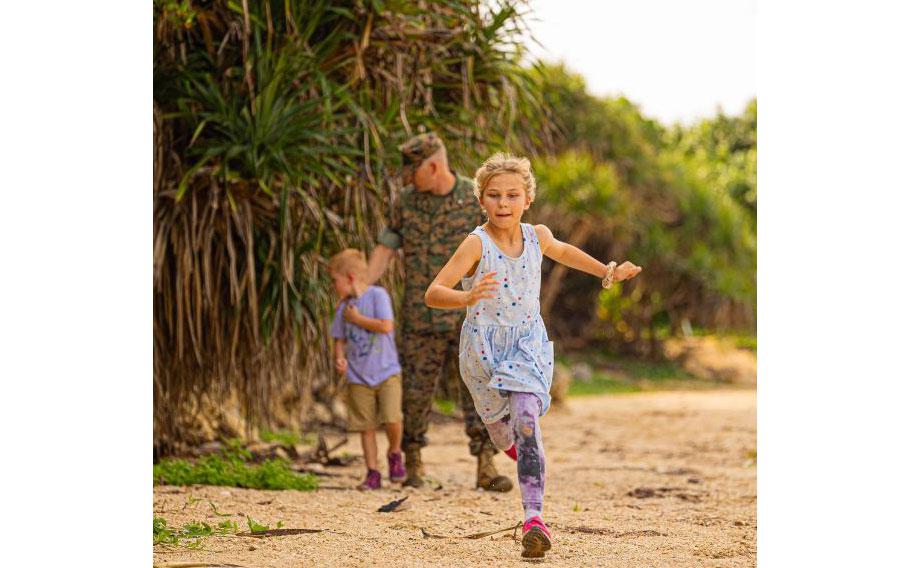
506, 357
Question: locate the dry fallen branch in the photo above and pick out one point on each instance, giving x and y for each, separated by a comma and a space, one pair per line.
589, 530
322, 453
195, 565
280, 532
647, 532
678, 492
491, 533
609, 532
427, 534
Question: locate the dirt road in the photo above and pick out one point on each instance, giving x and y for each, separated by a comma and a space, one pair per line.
654, 479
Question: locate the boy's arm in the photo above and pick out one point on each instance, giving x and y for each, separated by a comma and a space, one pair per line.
574, 257
341, 362
440, 293
353, 315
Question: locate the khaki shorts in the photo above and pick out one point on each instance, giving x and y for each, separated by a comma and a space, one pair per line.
370, 407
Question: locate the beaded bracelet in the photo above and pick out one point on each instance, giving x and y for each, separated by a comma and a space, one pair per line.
607, 282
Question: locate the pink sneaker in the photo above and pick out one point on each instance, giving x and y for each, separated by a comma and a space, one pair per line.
397, 472
536, 540
373, 480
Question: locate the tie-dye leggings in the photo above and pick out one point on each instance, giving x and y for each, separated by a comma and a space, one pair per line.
522, 427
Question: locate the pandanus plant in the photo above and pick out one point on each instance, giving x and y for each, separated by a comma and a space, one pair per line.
276, 125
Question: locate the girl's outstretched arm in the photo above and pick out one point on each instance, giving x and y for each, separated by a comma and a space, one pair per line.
574, 257
440, 293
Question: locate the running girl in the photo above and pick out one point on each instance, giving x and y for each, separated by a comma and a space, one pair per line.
506, 358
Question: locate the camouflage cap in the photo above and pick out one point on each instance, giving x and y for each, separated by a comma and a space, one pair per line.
416, 150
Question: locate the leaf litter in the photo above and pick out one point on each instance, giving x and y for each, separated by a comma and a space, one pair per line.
392, 506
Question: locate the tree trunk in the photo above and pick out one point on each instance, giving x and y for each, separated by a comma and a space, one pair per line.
578, 238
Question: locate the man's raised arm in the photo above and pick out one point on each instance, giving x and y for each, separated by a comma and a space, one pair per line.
379, 261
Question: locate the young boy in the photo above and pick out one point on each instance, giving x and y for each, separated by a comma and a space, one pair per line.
365, 352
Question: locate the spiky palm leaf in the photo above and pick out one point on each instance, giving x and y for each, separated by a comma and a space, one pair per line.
275, 129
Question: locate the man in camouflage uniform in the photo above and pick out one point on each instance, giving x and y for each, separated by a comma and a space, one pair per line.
435, 213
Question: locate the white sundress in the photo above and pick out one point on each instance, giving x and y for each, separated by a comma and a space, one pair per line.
504, 345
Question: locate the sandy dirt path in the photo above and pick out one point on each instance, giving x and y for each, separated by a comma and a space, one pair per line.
666, 479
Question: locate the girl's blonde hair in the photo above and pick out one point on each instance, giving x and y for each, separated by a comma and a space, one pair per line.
349, 261
502, 163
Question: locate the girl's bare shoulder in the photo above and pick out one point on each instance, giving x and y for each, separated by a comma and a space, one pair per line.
471, 246
544, 234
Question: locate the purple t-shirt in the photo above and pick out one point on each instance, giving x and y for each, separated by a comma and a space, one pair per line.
372, 357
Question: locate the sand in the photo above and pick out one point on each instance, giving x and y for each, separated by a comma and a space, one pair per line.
652, 479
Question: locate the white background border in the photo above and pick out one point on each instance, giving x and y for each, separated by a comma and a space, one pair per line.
76, 315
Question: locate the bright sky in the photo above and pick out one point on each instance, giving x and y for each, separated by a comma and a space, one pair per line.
677, 59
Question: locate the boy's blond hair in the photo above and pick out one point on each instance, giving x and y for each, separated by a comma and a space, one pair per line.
349, 261
502, 163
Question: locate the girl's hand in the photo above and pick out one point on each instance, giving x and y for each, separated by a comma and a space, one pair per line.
351, 313
341, 365
484, 289
625, 271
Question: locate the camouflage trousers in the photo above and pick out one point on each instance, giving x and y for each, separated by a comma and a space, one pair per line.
427, 358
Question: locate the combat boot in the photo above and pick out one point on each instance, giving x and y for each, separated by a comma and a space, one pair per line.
415, 468
487, 476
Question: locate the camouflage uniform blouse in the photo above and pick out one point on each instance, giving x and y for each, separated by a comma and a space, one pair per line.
429, 228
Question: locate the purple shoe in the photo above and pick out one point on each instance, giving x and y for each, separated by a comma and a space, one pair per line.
373, 481
397, 472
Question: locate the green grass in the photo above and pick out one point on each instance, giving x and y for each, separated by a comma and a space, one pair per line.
191, 534
740, 340
444, 406
602, 383
232, 469
283, 437
746, 342
612, 375
653, 370
216, 512
257, 527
